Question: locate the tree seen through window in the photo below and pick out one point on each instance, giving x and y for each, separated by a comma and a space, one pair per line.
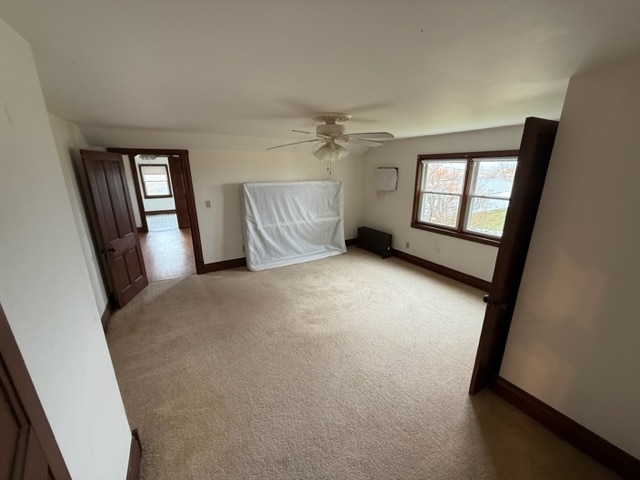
468, 194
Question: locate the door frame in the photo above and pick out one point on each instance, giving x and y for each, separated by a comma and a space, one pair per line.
533, 160
12, 359
183, 156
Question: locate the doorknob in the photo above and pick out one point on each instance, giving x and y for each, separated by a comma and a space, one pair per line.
110, 249
492, 303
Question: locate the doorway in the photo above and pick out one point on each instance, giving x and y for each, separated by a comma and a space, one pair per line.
167, 250
28, 447
167, 224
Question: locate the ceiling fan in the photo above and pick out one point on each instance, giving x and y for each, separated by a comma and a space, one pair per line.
332, 139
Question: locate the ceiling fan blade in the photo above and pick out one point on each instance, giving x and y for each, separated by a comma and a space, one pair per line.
360, 141
294, 143
372, 135
319, 135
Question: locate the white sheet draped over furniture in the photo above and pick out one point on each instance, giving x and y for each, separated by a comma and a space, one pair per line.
292, 222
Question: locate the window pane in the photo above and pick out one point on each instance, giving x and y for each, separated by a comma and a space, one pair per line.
157, 188
439, 209
443, 176
486, 216
149, 170
493, 177
156, 180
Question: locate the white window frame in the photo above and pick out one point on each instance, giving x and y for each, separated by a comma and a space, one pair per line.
145, 192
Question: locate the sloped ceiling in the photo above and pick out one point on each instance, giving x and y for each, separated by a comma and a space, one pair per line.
259, 68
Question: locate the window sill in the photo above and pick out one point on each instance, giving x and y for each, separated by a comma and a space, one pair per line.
453, 233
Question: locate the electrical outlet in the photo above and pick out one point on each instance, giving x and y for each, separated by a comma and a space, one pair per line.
407, 244
207, 203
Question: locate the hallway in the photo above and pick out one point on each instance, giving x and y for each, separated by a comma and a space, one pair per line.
167, 251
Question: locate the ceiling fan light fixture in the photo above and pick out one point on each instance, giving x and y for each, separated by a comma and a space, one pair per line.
330, 152
331, 135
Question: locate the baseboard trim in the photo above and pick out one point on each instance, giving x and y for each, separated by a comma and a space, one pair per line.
223, 265
590, 443
135, 456
160, 212
106, 317
442, 270
240, 262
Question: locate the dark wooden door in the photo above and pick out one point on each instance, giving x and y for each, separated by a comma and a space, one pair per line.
28, 450
179, 191
533, 160
115, 225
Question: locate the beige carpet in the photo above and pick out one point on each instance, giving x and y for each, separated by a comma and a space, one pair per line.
351, 367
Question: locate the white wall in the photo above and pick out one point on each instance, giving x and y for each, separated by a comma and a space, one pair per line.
220, 163
217, 176
391, 211
69, 141
575, 338
45, 287
155, 204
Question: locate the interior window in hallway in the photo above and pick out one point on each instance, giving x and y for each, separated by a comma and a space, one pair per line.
167, 250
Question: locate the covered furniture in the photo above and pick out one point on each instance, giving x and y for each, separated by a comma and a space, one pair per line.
292, 222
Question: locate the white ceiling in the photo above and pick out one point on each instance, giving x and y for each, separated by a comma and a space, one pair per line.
260, 68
